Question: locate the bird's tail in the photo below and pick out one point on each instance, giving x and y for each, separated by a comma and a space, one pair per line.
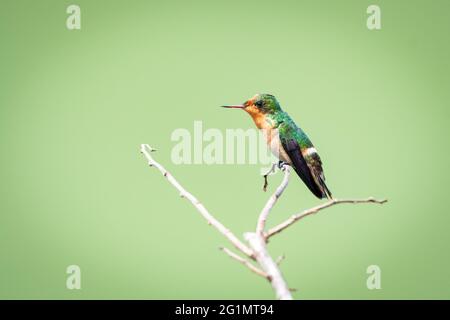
326, 191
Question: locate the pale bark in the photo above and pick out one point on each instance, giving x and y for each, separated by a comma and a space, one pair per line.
257, 248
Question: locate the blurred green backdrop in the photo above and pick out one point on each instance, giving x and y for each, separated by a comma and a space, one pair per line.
75, 106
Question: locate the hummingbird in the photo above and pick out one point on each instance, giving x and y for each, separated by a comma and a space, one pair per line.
287, 141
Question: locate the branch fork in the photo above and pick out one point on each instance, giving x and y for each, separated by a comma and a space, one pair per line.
256, 256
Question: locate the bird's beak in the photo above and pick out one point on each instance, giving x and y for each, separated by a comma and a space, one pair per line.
236, 106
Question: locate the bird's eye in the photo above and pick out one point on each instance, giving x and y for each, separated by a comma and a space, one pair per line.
259, 103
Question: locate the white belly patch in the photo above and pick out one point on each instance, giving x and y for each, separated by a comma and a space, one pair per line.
274, 143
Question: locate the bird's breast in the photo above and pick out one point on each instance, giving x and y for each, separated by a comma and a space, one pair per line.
270, 132
274, 142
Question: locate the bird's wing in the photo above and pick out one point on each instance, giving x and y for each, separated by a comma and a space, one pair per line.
300, 165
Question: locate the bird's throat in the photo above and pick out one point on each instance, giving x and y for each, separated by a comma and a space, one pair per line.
261, 120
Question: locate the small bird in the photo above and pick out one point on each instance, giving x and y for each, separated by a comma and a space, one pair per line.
287, 141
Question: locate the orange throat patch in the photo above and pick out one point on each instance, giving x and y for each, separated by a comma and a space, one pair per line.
258, 117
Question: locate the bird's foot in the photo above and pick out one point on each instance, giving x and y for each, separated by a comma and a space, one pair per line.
281, 165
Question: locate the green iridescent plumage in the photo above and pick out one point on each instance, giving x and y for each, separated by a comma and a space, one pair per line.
289, 128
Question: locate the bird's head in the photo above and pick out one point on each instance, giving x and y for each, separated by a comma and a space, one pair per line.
260, 104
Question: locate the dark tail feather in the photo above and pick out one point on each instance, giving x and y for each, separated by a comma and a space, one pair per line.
326, 191
310, 183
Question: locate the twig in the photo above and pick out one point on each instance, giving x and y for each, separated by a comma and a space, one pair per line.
245, 263
272, 170
146, 150
280, 259
272, 200
296, 217
258, 244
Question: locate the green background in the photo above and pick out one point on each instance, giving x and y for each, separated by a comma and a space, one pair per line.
76, 105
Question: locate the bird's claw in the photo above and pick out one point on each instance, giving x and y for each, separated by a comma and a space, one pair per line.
281, 165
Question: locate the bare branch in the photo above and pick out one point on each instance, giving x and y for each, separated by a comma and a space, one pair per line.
271, 171
258, 244
246, 263
146, 150
257, 249
294, 218
272, 200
